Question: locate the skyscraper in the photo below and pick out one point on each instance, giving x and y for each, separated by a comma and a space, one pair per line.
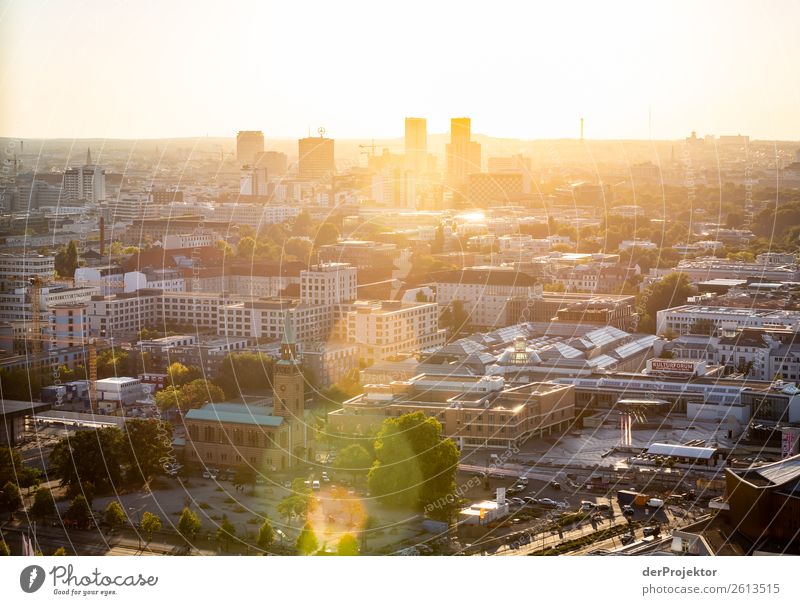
316, 158
416, 145
463, 154
249, 143
87, 182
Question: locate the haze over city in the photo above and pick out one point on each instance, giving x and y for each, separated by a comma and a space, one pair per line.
90, 68
453, 279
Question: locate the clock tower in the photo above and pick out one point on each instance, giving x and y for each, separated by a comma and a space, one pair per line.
288, 382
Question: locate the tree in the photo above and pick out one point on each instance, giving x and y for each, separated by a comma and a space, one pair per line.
246, 247
307, 543
78, 510
348, 546
297, 248
10, 499
670, 291
226, 531
179, 374
60, 552
148, 443
245, 373
354, 459
455, 318
734, 220
93, 456
188, 524
244, 475
414, 464
10, 463
114, 362
114, 515
44, 505
29, 477
192, 395
301, 226
295, 505
151, 523
66, 260
266, 535
5, 551
326, 234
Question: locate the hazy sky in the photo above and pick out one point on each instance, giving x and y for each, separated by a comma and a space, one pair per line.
157, 68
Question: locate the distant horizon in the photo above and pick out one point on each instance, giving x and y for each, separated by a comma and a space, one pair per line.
524, 71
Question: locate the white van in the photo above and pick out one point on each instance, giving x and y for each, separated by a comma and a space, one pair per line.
655, 503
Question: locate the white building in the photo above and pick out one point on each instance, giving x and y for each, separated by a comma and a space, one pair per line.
23, 266
388, 328
484, 292
85, 183
328, 284
680, 320
175, 241
118, 391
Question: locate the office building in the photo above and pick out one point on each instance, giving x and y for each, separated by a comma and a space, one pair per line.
416, 145
249, 143
475, 411
274, 162
463, 154
85, 183
316, 161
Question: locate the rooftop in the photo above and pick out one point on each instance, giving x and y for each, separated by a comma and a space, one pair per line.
235, 413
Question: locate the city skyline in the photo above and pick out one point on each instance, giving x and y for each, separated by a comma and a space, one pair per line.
647, 73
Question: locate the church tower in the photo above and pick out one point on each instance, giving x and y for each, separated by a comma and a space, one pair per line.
288, 381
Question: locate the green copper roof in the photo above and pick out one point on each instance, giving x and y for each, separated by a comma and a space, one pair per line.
234, 413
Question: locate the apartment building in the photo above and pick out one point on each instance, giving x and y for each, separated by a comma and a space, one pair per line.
484, 291
383, 329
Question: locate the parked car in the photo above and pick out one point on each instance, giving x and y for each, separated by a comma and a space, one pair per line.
517, 501
555, 484
626, 538
602, 507
628, 511
653, 530
315, 485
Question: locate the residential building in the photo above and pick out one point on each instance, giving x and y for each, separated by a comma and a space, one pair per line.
383, 329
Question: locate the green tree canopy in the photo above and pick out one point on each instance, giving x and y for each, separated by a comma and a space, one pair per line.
44, 505
10, 498
245, 373
348, 546
148, 443
307, 543
151, 523
188, 524
78, 510
414, 464
266, 535
354, 459
115, 515
93, 456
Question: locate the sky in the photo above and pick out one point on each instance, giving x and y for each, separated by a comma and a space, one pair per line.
528, 69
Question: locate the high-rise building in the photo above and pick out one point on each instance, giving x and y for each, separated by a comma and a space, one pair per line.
249, 143
463, 154
274, 162
416, 145
316, 158
253, 181
87, 182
